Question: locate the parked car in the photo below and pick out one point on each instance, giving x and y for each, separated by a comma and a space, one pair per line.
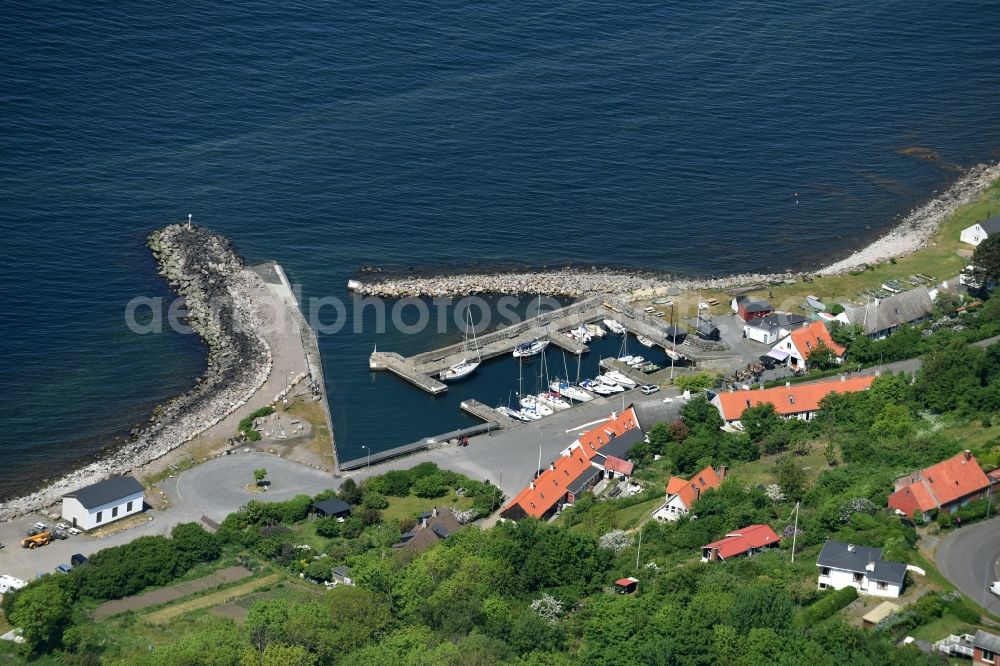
59, 534
649, 389
74, 531
995, 588
62, 526
78, 559
63, 568
41, 527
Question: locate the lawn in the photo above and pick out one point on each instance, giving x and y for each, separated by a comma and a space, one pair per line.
322, 443
631, 516
411, 505
761, 472
941, 627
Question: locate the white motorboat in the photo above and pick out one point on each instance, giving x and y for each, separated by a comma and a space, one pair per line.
643, 340
614, 326
529, 415
626, 358
554, 401
595, 387
596, 330
635, 362
531, 403
675, 355
582, 334
531, 348
604, 380
466, 366
567, 390
620, 378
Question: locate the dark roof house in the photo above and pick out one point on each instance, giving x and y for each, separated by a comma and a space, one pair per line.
105, 492
861, 560
884, 315
438, 527
332, 507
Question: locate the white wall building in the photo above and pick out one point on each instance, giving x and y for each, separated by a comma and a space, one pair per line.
846, 565
980, 231
102, 503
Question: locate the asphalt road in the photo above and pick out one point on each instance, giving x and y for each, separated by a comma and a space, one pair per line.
968, 558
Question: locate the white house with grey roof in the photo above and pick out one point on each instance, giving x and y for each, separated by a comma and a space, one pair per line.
847, 565
880, 317
102, 503
773, 327
980, 231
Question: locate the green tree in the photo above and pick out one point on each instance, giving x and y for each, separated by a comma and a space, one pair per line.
761, 605
699, 414
395, 482
986, 261
822, 357
259, 474
430, 486
350, 492
42, 611
277, 654
373, 500
790, 476
328, 527
758, 421
194, 545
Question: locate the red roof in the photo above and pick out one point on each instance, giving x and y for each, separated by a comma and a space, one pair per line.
625, 582
613, 464
788, 400
808, 338
939, 485
742, 540
541, 496
690, 491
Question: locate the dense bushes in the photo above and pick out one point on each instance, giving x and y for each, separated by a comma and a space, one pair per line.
828, 604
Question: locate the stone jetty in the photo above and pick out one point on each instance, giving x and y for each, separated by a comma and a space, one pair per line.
222, 308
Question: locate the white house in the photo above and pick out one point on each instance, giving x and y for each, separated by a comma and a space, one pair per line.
771, 328
844, 564
794, 350
980, 231
683, 493
102, 503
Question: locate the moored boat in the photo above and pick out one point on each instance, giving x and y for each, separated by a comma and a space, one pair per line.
567, 390
530, 348
643, 340
611, 384
620, 378
554, 401
531, 403
596, 330
614, 326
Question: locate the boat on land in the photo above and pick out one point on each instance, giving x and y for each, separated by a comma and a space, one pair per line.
530, 348
614, 326
643, 340
531, 403
815, 303
567, 390
466, 366
620, 378
553, 401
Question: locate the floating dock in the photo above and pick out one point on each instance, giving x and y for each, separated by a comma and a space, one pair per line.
488, 414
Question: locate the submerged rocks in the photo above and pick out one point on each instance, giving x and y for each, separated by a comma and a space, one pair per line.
223, 308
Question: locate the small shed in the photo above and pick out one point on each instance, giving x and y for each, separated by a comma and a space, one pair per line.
879, 613
335, 507
707, 330
626, 585
101, 503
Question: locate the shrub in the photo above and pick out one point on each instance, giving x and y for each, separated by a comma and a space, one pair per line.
373, 500
246, 423
328, 527
430, 486
827, 606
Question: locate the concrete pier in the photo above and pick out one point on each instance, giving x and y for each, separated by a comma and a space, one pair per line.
488, 414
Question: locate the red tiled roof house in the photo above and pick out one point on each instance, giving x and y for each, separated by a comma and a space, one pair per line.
683, 493
946, 486
794, 349
798, 401
744, 542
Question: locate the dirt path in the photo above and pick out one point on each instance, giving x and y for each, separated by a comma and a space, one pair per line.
170, 593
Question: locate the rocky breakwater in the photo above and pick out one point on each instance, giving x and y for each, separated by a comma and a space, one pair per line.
569, 282
224, 308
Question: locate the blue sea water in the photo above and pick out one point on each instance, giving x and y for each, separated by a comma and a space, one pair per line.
332, 135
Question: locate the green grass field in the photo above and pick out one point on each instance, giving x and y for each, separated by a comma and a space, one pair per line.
411, 505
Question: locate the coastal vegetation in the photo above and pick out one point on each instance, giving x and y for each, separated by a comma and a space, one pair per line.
246, 423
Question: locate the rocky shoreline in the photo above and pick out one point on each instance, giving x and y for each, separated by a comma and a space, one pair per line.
909, 235
219, 293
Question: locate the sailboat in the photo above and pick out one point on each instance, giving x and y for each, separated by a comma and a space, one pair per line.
530, 348
465, 367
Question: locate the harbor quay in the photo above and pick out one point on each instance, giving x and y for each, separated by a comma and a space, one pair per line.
422, 369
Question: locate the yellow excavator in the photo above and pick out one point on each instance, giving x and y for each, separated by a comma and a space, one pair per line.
40, 539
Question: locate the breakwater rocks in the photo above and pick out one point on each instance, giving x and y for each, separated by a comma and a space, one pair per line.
223, 308
569, 282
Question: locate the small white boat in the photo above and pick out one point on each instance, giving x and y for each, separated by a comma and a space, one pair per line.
626, 358
531, 348
815, 303
596, 330
595, 387
604, 380
529, 415
620, 378
567, 390
531, 403
636, 361
643, 340
554, 401
677, 356
582, 334
614, 326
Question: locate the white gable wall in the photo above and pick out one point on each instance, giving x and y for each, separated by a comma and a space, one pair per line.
672, 509
87, 519
973, 235
840, 578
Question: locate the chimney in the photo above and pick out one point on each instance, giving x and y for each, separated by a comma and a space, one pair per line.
532, 485
552, 467
434, 512
722, 472
870, 566
843, 377
788, 385
967, 455
850, 548
697, 492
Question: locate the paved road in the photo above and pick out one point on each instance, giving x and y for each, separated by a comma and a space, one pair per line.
968, 557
